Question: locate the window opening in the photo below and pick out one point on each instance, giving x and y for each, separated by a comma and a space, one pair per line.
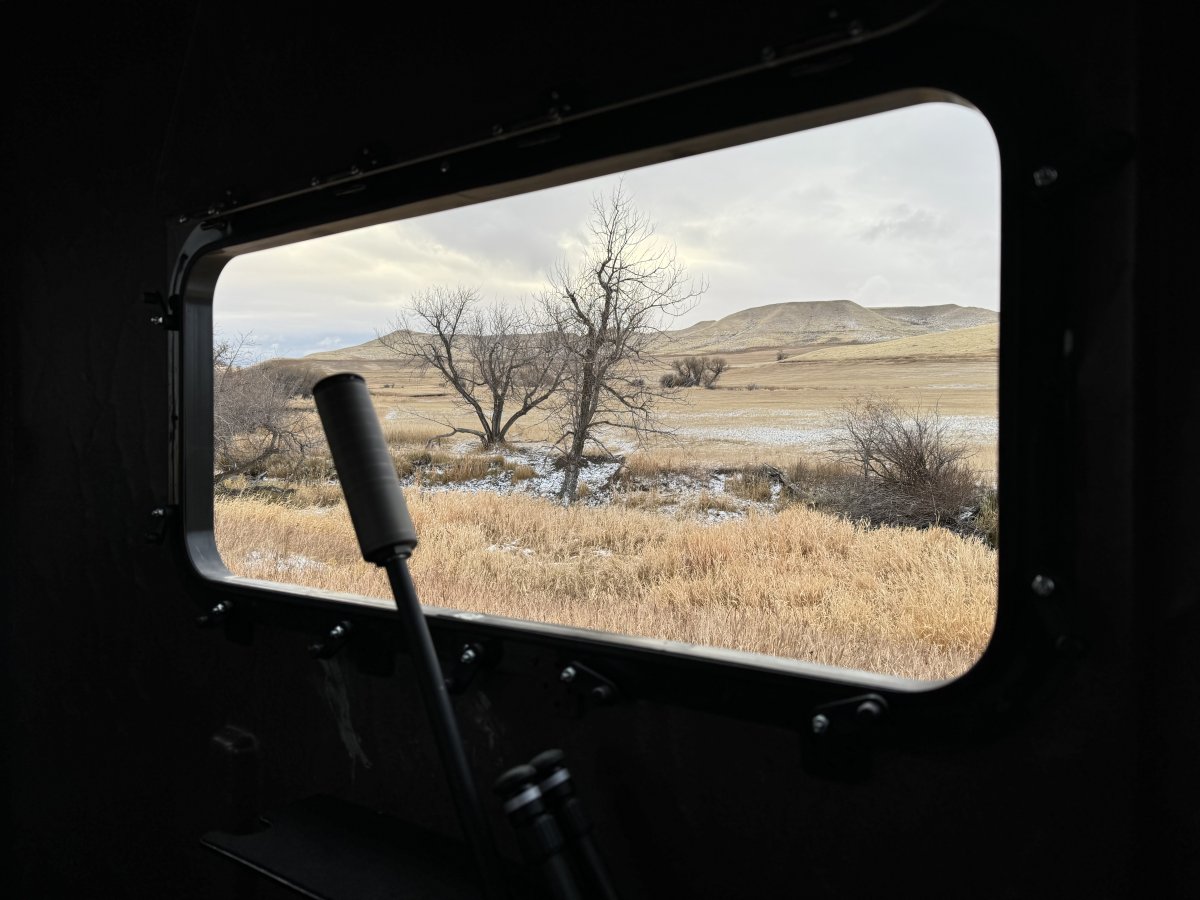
744, 399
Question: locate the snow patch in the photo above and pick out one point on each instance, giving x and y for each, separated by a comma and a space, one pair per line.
292, 563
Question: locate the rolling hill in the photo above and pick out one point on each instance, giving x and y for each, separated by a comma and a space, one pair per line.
781, 325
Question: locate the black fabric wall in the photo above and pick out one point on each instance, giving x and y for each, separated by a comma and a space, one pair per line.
120, 121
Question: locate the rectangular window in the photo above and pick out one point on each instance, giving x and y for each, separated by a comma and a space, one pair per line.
745, 399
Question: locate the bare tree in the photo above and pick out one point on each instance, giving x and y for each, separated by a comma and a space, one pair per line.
607, 312
494, 357
255, 421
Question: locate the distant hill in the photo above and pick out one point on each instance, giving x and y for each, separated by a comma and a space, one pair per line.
803, 323
780, 325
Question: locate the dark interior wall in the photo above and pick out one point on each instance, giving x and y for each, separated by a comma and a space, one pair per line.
113, 693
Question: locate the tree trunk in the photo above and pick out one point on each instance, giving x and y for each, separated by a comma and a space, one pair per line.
574, 462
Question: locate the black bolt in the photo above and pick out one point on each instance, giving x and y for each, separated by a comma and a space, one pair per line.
1045, 176
869, 710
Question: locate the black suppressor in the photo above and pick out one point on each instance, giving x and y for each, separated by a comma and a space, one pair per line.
387, 538
537, 833
558, 792
365, 468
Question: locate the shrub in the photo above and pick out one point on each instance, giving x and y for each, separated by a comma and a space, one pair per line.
911, 471
695, 371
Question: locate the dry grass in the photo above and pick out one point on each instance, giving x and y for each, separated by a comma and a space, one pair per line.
796, 583
522, 472
405, 434
799, 583
749, 485
982, 341
464, 468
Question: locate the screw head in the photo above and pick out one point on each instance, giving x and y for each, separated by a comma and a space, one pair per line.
315, 180
158, 512
1042, 585
820, 723
497, 130
567, 675
338, 631
1045, 176
355, 170
156, 320
445, 166
468, 655
183, 218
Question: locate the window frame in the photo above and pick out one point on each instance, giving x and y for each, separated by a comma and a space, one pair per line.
723, 114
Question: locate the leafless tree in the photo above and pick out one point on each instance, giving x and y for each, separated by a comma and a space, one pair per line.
606, 312
497, 360
255, 421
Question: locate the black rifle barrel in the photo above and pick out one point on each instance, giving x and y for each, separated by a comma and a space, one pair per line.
387, 537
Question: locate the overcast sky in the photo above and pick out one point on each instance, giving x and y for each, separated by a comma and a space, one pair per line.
896, 209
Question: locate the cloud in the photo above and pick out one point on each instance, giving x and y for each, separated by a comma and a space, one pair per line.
906, 223
900, 207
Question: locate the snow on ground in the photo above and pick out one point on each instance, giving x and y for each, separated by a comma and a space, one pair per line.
677, 494
546, 481
292, 563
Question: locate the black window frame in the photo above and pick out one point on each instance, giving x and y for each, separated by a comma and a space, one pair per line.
1035, 416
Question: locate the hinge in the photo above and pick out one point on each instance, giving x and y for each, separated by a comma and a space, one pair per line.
587, 687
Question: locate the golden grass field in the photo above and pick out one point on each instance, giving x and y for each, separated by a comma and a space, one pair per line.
798, 583
783, 580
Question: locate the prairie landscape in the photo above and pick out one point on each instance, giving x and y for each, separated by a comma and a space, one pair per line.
740, 524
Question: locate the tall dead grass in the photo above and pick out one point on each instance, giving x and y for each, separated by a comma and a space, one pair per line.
798, 583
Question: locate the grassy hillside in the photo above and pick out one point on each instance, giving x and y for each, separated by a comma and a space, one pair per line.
980, 342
